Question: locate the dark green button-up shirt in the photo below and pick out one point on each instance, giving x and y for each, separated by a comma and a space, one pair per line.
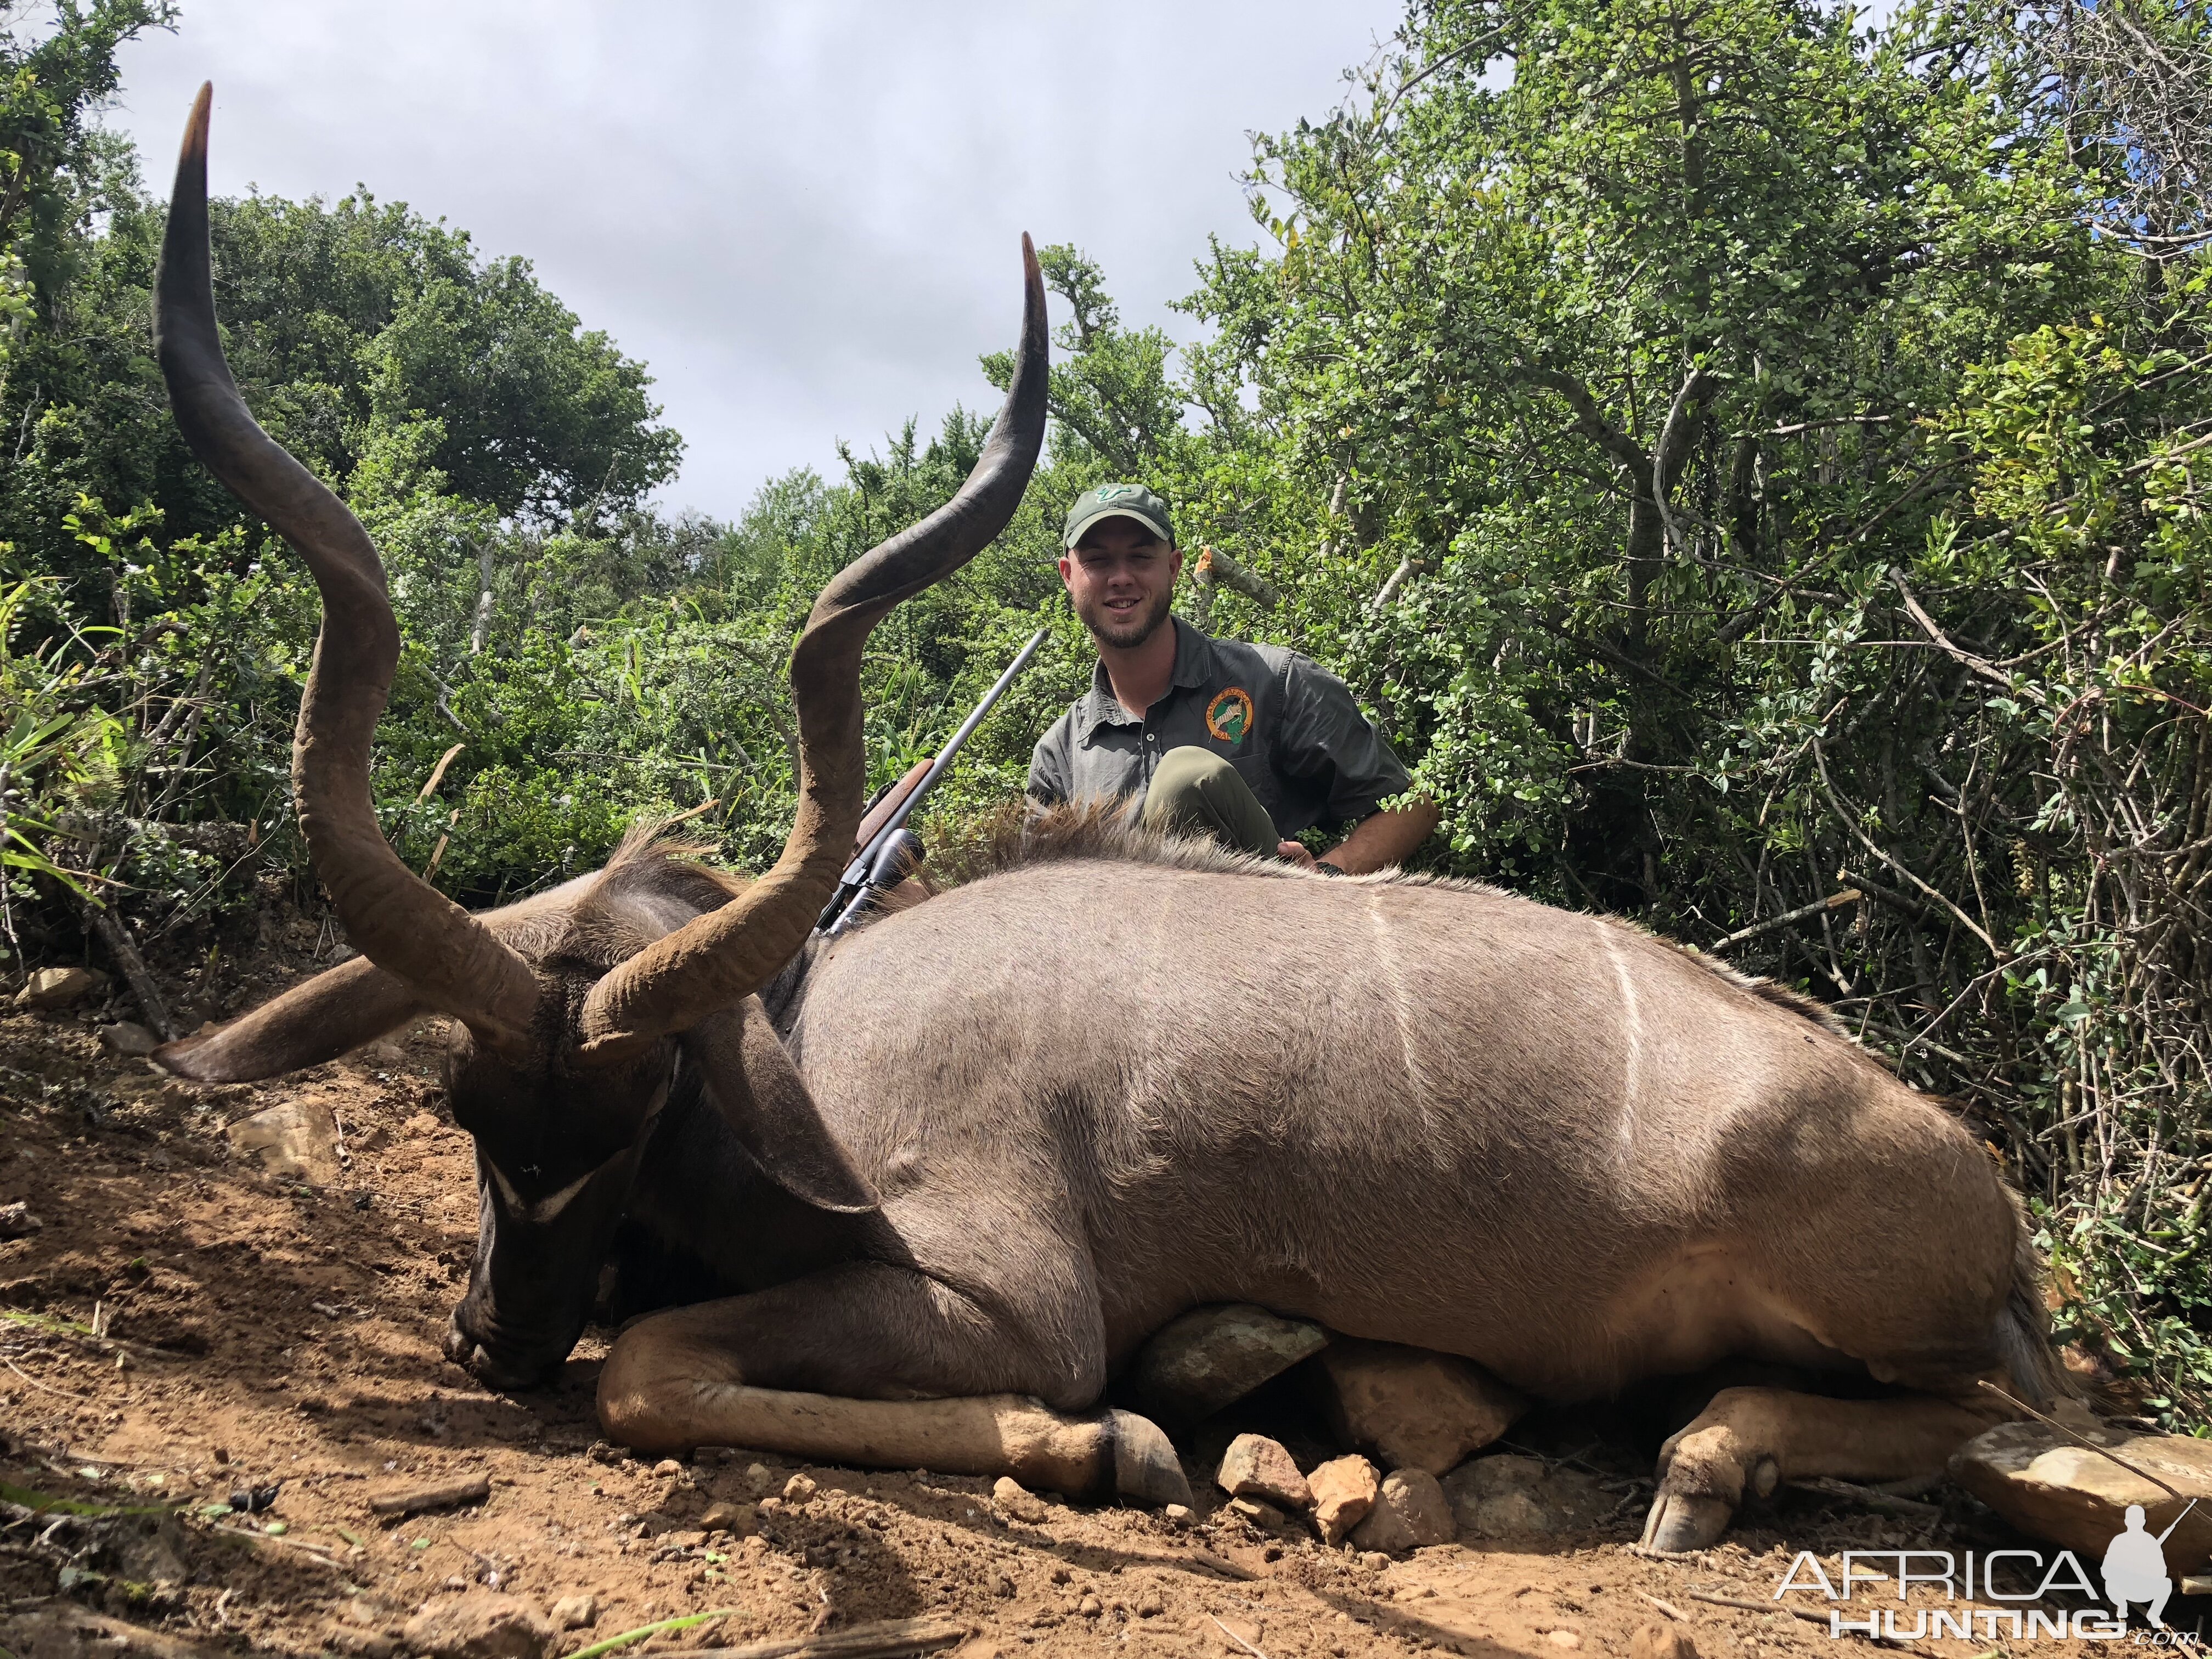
1287, 725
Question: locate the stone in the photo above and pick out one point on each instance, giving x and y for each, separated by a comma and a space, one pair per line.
1178, 1514
1411, 1408
295, 1141
129, 1039
1344, 1490
479, 1625
799, 1489
1016, 1500
1261, 1514
1507, 1496
2047, 1485
1658, 1640
152, 1551
359, 1643
738, 1520
576, 1611
1410, 1513
1213, 1356
667, 1469
1564, 1638
1257, 1467
57, 987
16, 1221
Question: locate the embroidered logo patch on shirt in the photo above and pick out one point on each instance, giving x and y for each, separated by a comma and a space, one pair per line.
1229, 716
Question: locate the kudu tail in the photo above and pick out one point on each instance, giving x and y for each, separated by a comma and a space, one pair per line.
2023, 1336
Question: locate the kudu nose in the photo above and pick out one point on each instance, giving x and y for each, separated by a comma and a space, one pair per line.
472, 1357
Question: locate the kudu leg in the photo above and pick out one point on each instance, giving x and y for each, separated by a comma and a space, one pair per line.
805, 1370
1751, 1440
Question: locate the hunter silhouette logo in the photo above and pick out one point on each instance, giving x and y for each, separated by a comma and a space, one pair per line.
1229, 716
2019, 1582
2135, 1567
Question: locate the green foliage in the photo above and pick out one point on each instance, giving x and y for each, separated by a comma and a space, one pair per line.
54, 75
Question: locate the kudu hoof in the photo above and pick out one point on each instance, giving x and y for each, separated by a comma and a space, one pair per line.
1686, 1521
1146, 1470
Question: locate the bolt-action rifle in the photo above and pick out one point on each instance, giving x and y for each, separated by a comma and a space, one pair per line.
885, 852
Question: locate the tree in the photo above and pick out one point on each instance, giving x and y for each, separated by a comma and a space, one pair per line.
52, 161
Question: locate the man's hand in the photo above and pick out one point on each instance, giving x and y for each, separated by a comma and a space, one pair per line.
1291, 852
1383, 838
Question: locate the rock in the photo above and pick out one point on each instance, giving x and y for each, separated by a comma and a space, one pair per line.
668, 1469
1257, 1467
57, 987
128, 1039
1661, 1641
2046, 1485
1412, 1409
295, 1141
359, 1643
1409, 1513
1177, 1514
1564, 1638
1507, 1496
152, 1551
1344, 1490
16, 1221
799, 1489
1015, 1499
582, 1611
1212, 1356
1261, 1514
479, 1625
740, 1520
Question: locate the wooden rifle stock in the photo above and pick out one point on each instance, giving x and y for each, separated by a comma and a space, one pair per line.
879, 813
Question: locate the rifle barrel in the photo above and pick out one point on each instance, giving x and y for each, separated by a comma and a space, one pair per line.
854, 886
946, 756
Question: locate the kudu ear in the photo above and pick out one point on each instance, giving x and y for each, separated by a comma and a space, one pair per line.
762, 1099
338, 1010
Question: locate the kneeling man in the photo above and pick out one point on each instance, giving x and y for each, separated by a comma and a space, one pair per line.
1250, 743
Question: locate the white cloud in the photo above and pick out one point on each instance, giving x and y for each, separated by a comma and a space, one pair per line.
804, 216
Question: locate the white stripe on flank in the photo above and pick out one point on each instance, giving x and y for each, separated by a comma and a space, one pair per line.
1631, 1033
1401, 1008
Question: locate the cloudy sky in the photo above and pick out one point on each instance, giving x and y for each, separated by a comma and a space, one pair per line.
805, 213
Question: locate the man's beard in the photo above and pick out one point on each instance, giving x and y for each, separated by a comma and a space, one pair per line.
1126, 635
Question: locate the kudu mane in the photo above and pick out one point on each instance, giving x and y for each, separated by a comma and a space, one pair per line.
1011, 838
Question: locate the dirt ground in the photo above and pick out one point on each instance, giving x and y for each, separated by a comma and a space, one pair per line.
260, 1335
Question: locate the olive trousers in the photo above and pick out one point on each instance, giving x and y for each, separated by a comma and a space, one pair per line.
1196, 792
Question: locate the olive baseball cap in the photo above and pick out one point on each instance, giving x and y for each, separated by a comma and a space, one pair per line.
1125, 501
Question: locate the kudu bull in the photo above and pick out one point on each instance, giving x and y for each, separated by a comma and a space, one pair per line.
987, 1145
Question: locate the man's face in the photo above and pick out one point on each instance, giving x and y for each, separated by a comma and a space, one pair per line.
1121, 578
